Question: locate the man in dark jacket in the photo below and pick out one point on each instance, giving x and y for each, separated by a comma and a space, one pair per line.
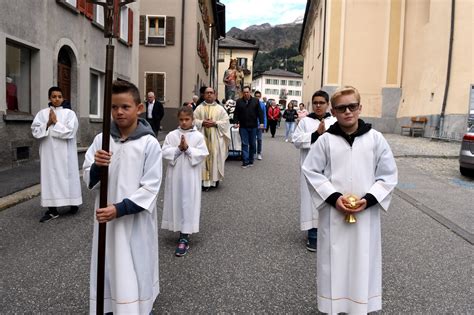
247, 111
154, 112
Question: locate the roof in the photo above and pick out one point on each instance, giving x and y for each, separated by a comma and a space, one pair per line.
230, 42
279, 73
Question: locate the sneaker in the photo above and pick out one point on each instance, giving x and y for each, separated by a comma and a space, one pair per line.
73, 210
49, 216
250, 164
245, 165
182, 248
286, 140
259, 156
311, 244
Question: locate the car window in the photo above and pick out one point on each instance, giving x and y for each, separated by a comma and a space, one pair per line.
471, 130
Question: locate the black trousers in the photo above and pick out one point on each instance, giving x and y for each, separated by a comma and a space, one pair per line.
272, 124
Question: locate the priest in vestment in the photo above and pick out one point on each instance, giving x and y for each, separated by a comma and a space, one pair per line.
212, 121
349, 158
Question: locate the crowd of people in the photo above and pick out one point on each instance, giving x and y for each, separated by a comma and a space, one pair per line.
347, 171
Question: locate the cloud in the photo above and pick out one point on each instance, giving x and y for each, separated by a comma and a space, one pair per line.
243, 13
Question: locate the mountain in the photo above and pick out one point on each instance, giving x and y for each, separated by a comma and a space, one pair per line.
278, 45
270, 37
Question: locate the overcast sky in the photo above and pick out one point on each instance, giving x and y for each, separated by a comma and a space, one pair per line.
243, 13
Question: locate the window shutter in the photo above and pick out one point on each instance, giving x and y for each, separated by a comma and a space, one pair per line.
90, 10
170, 22
116, 30
142, 33
81, 5
130, 27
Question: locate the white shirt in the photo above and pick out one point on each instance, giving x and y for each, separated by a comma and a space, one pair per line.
150, 110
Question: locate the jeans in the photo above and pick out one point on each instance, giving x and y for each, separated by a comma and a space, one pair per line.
247, 137
259, 140
290, 128
272, 124
313, 233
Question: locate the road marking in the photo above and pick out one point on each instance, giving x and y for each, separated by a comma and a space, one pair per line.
468, 236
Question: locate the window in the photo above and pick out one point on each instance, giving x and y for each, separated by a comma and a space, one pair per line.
124, 23
156, 30
242, 62
155, 82
297, 93
283, 82
268, 81
268, 91
96, 87
291, 82
71, 2
275, 81
298, 83
99, 14
18, 78
291, 92
221, 56
275, 91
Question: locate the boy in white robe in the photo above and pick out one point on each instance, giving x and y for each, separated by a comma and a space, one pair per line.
307, 132
350, 158
184, 149
56, 128
135, 166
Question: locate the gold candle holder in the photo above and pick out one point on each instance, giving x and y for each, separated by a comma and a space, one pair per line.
352, 199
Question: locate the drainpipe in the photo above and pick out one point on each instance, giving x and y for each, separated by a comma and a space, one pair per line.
324, 45
181, 68
440, 126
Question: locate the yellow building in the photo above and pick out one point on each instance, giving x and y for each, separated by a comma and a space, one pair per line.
178, 50
407, 58
244, 51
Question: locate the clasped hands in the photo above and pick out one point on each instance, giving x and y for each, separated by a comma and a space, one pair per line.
209, 123
342, 205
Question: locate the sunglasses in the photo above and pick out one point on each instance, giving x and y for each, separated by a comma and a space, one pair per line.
319, 103
342, 108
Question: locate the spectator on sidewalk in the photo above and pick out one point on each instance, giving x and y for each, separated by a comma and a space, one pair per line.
248, 116
257, 94
184, 150
290, 115
212, 121
302, 112
134, 166
307, 132
154, 112
273, 117
56, 129
350, 158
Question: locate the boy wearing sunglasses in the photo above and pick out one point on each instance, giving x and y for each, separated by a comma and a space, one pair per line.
350, 158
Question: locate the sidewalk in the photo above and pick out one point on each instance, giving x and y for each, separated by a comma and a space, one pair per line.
22, 183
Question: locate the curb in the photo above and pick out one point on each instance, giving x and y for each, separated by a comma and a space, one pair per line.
426, 156
20, 196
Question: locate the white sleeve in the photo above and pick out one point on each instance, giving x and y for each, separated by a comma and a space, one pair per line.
302, 138
66, 128
38, 127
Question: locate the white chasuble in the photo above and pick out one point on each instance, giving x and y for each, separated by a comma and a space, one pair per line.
349, 259
60, 183
217, 139
182, 201
131, 260
302, 141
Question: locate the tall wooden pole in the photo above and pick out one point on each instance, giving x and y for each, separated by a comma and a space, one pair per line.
109, 32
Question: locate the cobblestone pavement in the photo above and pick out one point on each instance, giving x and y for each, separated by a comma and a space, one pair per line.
418, 146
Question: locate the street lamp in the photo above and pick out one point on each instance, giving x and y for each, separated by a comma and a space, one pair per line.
109, 32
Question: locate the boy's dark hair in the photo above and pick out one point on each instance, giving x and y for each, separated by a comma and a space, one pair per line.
321, 93
54, 89
202, 89
257, 92
119, 87
186, 110
247, 87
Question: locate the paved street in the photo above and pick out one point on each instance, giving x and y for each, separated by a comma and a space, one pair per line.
250, 256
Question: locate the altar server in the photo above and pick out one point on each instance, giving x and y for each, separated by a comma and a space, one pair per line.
350, 158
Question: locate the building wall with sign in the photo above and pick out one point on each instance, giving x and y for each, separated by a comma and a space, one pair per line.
57, 42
